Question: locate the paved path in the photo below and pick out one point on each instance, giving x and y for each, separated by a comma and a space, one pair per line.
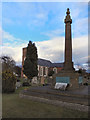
84, 90
79, 96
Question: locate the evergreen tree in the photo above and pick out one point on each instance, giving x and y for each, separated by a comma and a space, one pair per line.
30, 63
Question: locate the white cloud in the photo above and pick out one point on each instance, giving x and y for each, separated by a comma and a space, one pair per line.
52, 50
15, 53
11, 46
8, 39
80, 42
7, 36
80, 49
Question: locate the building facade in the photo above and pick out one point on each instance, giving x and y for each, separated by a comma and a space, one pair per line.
44, 66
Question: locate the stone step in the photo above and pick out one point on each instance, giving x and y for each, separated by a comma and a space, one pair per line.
63, 94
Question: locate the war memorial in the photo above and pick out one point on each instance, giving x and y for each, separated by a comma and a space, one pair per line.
75, 93
68, 74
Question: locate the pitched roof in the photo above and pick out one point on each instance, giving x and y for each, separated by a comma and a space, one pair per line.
48, 63
57, 65
44, 62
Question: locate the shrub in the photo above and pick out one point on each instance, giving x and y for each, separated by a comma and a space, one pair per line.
51, 73
8, 81
26, 84
85, 84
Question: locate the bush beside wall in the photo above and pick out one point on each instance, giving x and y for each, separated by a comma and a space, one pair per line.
8, 81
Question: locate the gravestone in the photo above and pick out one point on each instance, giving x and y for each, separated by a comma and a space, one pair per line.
34, 80
42, 80
68, 74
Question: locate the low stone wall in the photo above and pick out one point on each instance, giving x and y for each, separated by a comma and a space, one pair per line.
57, 103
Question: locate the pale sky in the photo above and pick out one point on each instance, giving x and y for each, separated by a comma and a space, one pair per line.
43, 24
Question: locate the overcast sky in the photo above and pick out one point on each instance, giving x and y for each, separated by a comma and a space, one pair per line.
43, 23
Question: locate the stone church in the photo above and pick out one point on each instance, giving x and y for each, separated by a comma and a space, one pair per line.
44, 66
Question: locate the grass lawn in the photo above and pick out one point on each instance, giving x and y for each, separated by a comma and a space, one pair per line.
15, 107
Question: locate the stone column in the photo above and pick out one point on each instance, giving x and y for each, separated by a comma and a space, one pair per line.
68, 64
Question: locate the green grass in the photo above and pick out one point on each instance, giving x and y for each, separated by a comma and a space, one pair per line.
16, 107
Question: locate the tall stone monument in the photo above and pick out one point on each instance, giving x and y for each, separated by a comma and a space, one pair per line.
68, 65
68, 74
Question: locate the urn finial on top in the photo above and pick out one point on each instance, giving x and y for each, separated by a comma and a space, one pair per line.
68, 12
68, 18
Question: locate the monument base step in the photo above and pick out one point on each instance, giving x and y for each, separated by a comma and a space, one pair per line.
48, 93
73, 78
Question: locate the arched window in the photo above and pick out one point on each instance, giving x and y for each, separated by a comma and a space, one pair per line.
41, 71
46, 71
55, 70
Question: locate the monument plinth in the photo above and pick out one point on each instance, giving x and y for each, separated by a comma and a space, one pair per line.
68, 74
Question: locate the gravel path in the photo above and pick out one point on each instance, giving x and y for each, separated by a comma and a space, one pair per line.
84, 90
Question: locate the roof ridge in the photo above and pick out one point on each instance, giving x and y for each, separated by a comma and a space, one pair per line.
44, 59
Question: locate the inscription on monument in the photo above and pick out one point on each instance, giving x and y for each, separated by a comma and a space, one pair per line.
63, 80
